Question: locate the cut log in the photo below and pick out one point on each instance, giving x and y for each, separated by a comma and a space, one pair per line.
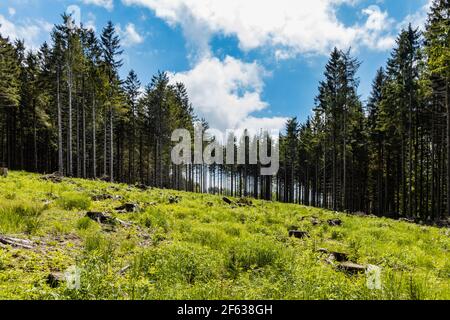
100, 217
56, 177
103, 197
407, 220
298, 234
334, 256
105, 178
227, 201
243, 202
55, 279
128, 207
141, 186
335, 222
351, 267
174, 199
124, 270
17, 243
103, 218
4, 172
124, 223
443, 223
315, 221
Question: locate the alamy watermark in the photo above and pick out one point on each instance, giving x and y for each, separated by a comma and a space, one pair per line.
73, 278
373, 277
232, 147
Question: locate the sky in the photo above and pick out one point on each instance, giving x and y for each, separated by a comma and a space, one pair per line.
246, 63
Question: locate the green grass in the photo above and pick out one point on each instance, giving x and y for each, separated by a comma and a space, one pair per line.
195, 250
19, 216
74, 200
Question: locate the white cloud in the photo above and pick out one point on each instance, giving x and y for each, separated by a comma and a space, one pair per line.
107, 4
302, 26
417, 19
227, 92
91, 22
129, 36
255, 124
378, 22
11, 11
33, 32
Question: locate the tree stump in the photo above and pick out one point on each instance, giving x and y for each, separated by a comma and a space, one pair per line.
174, 199
3, 172
334, 222
298, 234
128, 207
315, 221
56, 177
100, 217
351, 268
227, 201
54, 279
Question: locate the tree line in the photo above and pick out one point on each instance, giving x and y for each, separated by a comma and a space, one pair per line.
389, 156
64, 108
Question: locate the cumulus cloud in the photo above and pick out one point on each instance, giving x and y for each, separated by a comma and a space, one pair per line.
129, 36
417, 19
297, 26
32, 32
11, 11
378, 22
107, 4
227, 92
91, 22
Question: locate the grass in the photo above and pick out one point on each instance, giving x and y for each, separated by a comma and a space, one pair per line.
195, 250
74, 200
20, 216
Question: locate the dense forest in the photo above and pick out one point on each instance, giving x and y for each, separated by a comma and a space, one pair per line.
64, 108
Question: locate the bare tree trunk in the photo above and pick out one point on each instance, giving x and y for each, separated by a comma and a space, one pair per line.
84, 141
111, 151
60, 144
94, 139
78, 158
447, 102
35, 137
69, 139
105, 144
344, 183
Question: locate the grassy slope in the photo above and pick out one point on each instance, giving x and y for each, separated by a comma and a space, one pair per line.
201, 248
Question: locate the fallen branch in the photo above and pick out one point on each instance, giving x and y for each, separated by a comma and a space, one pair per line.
18, 243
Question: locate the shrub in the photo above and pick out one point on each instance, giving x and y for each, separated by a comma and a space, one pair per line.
99, 246
74, 200
211, 237
176, 263
19, 216
252, 254
84, 223
154, 219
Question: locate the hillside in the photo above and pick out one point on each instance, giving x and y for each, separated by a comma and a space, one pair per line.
176, 245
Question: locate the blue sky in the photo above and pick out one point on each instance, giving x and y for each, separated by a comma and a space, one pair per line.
249, 63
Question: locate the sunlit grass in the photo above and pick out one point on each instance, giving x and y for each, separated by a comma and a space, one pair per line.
201, 248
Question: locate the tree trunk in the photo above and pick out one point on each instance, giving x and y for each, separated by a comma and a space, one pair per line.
111, 151
69, 139
60, 144
94, 139
447, 103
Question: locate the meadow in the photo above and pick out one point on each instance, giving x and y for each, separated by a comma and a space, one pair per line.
176, 245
